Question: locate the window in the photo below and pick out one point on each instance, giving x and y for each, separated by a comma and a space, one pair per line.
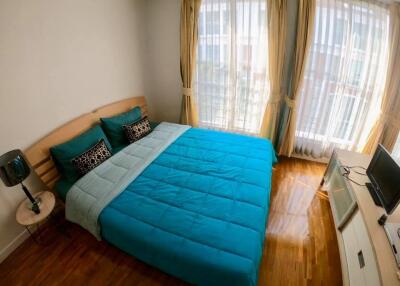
212, 22
231, 80
344, 77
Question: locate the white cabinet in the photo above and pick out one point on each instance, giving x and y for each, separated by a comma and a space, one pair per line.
361, 263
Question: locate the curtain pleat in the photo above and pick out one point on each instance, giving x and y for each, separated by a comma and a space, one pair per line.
277, 28
188, 47
386, 129
305, 26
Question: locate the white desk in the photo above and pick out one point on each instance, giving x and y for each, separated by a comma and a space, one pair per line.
380, 265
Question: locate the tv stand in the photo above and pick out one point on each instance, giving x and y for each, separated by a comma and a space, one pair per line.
366, 254
374, 196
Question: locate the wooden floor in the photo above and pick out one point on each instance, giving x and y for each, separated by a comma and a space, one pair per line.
300, 248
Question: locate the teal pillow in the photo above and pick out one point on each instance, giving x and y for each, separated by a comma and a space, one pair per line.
62, 187
154, 124
63, 154
113, 126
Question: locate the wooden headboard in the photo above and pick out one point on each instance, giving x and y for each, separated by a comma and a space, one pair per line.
38, 154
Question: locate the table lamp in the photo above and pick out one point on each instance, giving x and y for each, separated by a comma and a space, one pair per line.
13, 171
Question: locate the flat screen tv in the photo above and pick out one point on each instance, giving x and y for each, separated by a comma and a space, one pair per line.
384, 174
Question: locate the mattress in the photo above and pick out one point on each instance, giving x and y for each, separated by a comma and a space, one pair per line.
199, 210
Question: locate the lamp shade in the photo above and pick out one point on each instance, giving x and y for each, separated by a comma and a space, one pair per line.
13, 168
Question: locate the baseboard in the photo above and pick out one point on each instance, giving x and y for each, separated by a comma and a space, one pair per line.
310, 158
6, 251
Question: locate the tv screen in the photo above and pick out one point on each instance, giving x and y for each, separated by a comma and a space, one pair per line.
384, 173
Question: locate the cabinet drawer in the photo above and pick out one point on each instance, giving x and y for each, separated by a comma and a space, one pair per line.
360, 258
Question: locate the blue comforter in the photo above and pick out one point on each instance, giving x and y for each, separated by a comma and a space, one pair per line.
198, 211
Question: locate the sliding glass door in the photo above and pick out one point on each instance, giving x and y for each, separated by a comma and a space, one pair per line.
231, 80
344, 77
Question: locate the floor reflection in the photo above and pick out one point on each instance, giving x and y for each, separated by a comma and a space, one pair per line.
301, 246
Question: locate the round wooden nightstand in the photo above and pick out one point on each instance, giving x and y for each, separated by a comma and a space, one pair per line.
26, 217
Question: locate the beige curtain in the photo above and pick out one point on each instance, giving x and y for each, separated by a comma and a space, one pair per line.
277, 27
386, 129
305, 27
189, 34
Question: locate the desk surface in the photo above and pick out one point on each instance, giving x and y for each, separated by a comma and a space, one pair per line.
371, 213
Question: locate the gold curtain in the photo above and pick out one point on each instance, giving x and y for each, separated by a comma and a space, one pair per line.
277, 27
386, 129
305, 28
189, 35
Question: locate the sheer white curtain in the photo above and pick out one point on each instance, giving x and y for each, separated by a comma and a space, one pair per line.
344, 78
231, 83
396, 150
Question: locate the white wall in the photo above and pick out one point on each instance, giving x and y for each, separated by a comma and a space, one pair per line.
163, 81
59, 59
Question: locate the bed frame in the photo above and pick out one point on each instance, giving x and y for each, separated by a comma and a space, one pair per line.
38, 154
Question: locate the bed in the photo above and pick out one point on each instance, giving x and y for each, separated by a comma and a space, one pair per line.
196, 207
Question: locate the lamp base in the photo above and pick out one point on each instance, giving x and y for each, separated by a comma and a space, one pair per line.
35, 206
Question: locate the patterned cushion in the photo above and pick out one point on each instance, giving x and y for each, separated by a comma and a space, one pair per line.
64, 153
91, 158
137, 130
113, 126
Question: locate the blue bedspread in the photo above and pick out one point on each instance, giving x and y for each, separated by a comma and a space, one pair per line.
199, 210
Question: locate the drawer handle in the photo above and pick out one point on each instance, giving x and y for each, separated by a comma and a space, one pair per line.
361, 260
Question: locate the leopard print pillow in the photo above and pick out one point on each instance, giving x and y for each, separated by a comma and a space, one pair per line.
91, 158
137, 130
